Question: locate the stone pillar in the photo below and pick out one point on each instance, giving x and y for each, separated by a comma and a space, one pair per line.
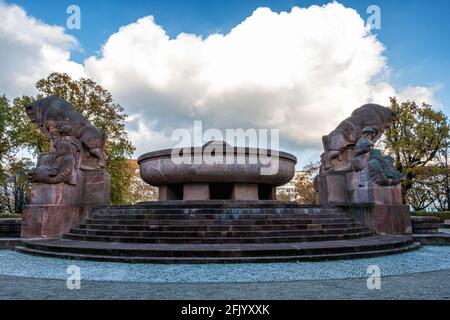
53, 209
245, 191
170, 192
273, 193
97, 188
196, 191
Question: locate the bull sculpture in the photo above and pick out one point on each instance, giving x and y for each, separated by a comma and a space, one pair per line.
51, 110
348, 132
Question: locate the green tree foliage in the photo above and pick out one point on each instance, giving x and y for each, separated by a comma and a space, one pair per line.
97, 105
23, 131
415, 141
5, 141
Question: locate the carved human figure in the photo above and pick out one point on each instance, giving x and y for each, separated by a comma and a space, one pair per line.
381, 169
61, 164
362, 149
361, 155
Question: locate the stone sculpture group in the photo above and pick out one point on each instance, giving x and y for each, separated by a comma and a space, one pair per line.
359, 177
70, 178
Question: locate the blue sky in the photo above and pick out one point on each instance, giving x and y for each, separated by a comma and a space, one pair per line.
416, 33
285, 71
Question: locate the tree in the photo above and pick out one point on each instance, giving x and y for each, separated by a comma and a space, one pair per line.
303, 183
419, 134
97, 105
15, 189
283, 196
139, 191
6, 144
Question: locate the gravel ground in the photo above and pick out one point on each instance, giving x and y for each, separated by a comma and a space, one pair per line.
421, 286
429, 258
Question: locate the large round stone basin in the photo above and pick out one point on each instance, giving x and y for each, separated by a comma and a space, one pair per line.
235, 165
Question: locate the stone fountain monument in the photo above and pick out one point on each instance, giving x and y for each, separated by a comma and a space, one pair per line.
71, 178
217, 202
357, 177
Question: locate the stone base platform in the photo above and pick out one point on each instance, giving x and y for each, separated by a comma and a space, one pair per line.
433, 239
224, 253
425, 224
10, 228
219, 231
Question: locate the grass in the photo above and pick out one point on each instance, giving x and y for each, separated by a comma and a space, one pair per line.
9, 215
441, 214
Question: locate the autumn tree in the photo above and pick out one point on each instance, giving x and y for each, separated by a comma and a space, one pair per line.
303, 183
98, 106
139, 190
416, 139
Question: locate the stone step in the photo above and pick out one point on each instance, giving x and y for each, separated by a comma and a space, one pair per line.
220, 204
195, 260
233, 211
219, 240
10, 228
248, 227
218, 222
208, 233
205, 216
208, 253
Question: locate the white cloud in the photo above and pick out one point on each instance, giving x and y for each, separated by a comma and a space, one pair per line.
301, 71
30, 50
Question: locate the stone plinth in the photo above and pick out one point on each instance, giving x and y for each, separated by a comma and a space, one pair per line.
360, 192
384, 219
57, 194
47, 221
53, 209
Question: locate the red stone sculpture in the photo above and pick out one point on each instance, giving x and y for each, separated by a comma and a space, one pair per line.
70, 179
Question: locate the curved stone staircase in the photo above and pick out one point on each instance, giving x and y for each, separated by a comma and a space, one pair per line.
218, 231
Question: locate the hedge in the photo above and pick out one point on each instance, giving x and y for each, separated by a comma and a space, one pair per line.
441, 214
8, 215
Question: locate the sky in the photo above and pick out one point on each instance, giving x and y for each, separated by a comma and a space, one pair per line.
297, 66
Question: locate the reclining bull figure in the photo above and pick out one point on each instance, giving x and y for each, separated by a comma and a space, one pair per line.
54, 109
348, 132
